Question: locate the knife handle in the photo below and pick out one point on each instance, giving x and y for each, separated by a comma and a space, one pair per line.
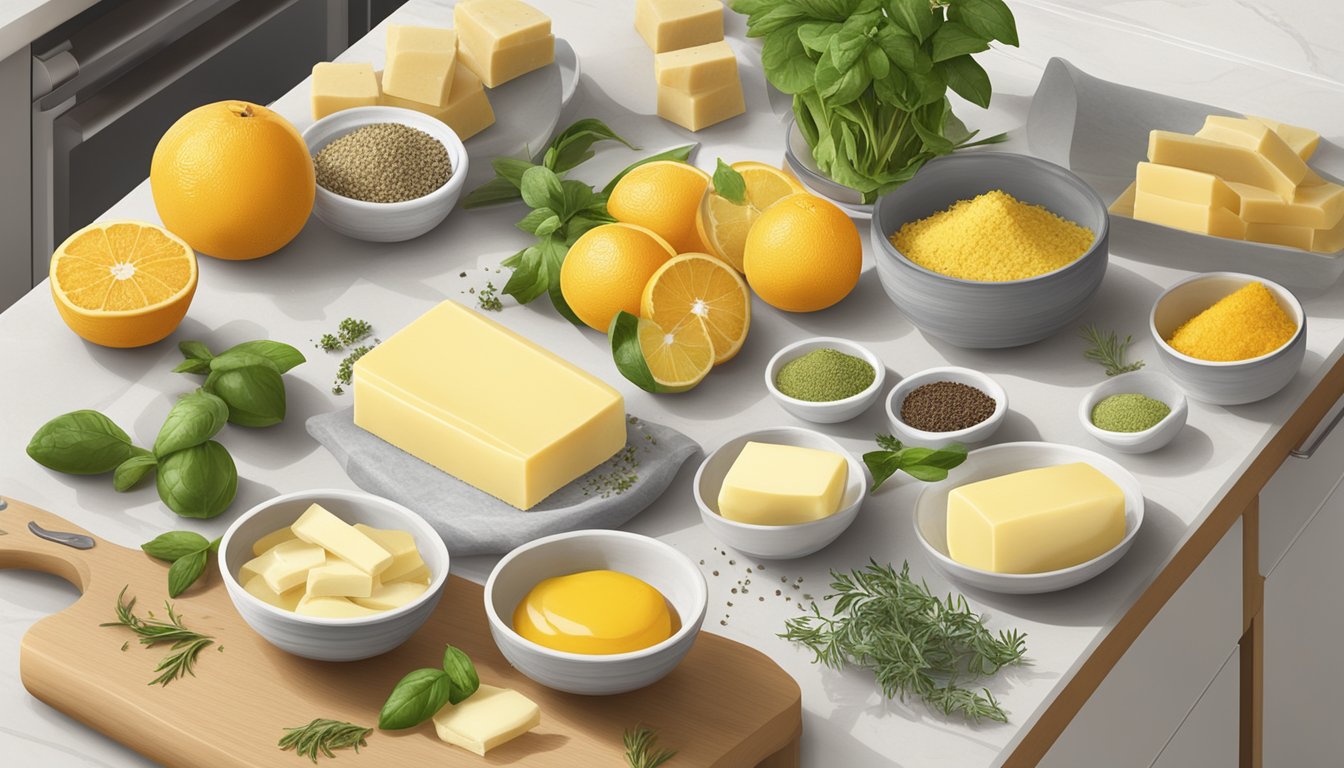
22, 548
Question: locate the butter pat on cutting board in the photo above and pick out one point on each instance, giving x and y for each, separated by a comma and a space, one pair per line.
489, 717
482, 403
1035, 521
772, 484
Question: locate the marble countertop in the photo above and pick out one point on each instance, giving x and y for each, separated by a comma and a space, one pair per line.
303, 291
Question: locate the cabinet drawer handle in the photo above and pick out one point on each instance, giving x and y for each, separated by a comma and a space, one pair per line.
1318, 436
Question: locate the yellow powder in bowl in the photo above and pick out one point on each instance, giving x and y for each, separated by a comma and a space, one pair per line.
993, 238
1244, 324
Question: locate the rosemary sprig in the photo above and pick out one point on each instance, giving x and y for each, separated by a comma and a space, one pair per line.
641, 748
185, 644
322, 736
1108, 350
915, 643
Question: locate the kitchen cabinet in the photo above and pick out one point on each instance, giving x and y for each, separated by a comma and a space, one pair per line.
1300, 488
16, 275
1209, 737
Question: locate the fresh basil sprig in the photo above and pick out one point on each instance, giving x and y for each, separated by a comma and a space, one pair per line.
927, 464
187, 551
247, 377
423, 692
729, 184
81, 443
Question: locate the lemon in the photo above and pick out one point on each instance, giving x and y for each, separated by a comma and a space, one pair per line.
724, 225
663, 196
803, 254
699, 289
658, 359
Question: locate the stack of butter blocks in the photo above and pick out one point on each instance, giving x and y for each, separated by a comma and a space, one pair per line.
1239, 178
424, 74
502, 39
698, 82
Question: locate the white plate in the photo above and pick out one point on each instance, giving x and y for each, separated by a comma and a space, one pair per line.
930, 516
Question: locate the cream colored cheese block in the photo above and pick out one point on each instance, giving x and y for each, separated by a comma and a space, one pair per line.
467, 112
1329, 240
1258, 138
405, 555
1035, 521
487, 406
338, 86
331, 608
1192, 217
1229, 162
694, 111
287, 601
669, 25
285, 565
337, 578
387, 597
501, 65
420, 63
262, 545
420, 575
1185, 185
489, 717
1303, 140
320, 527
1317, 207
696, 69
489, 25
772, 484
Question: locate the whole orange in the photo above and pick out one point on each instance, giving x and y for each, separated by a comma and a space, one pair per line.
233, 179
803, 254
607, 268
665, 197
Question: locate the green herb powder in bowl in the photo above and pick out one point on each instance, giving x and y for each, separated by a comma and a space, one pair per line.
824, 376
1129, 413
383, 163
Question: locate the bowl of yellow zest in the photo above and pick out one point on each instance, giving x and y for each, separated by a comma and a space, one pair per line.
991, 249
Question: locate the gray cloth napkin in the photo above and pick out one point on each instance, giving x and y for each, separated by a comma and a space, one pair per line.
473, 522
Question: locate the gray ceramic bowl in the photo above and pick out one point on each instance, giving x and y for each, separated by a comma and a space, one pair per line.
974, 314
1242, 381
332, 639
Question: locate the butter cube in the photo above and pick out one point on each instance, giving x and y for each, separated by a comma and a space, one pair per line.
490, 428
420, 63
1303, 140
505, 64
489, 717
338, 86
669, 25
1258, 138
1036, 520
467, 112
1316, 207
287, 601
320, 527
772, 484
696, 69
1185, 185
1308, 239
337, 578
1231, 163
420, 575
265, 543
405, 555
694, 111
502, 39
331, 608
285, 565
1192, 217
386, 597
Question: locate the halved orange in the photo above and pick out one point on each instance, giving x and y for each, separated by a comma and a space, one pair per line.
698, 288
723, 224
123, 283
658, 359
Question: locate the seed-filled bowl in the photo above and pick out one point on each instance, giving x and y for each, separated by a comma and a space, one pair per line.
393, 221
975, 433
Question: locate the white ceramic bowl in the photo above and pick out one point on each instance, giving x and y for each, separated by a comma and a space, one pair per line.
776, 542
978, 433
658, 564
930, 516
332, 639
1233, 383
834, 411
387, 222
1148, 383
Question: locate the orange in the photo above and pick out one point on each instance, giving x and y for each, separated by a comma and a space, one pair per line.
724, 225
123, 283
698, 288
657, 359
606, 270
803, 254
664, 196
233, 179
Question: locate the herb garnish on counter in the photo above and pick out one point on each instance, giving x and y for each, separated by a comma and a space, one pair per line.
185, 646
927, 464
246, 376
916, 644
1108, 350
641, 748
322, 736
418, 695
349, 333
188, 552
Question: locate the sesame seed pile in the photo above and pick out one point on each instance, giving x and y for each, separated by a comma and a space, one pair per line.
383, 163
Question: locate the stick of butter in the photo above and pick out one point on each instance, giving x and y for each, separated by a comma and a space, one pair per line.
387, 597
337, 578
320, 527
331, 608
285, 565
489, 717
405, 555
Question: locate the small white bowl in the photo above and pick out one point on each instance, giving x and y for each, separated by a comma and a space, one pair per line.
1230, 383
386, 222
1148, 383
930, 516
332, 639
660, 565
776, 542
974, 434
833, 411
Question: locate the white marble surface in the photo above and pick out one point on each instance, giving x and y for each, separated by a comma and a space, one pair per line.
305, 290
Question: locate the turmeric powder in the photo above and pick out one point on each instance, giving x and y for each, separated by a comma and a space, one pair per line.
1244, 324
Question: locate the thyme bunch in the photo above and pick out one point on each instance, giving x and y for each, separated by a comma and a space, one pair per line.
184, 644
1108, 350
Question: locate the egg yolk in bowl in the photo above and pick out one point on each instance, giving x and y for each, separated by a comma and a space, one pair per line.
595, 612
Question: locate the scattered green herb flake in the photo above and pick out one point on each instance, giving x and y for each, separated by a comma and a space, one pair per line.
329, 343
353, 331
1108, 350
322, 736
620, 473
642, 750
125, 645
346, 372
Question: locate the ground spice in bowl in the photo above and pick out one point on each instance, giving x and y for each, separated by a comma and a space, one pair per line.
824, 376
383, 163
1244, 324
1129, 412
946, 406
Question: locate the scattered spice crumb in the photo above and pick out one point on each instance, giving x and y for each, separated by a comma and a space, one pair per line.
346, 371
762, 599
126, 645
462, 274
328, 343
620, 476
489, 299
716, 573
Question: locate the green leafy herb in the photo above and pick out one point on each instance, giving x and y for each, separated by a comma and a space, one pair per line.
247, 377
461, 674
628, 354
322, 736
641, 748
130, 472
418, 695
199, 481
1108, 350
345, 372
729, 184
195, 418
187, 551
329, 343
869, 79
81, 443
184, 644
915, 643
488, 299
927, 464
353, 331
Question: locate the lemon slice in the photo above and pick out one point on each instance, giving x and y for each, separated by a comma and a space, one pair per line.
697, 288
723, 224
657, 359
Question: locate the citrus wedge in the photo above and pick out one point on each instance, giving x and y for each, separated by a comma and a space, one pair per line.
723, 224
123, 283
657, 359
698, 288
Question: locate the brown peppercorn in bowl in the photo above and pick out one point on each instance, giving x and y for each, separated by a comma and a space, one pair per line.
967, 418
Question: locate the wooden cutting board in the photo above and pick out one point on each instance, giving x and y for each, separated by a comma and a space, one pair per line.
726, 705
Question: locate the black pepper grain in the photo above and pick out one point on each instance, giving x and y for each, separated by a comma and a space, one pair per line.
946, 406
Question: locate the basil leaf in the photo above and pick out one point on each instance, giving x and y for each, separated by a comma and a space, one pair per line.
513, 261
729, 184
902, 48
511, 169
574, 145
948, 457
175, 544
914, 16
192, 365
251, 386
681, 154
627, 354
80, 443
199, 481
577, 197
778, 16
541, 188
493, 192
195, 418
882, 465
461, 673
786, 62
926, 473
185, 571
990, 19
548, 226
953, 39
534, 219
415, 699
194, 350
841, 86
814, 35
282, 355
130, 472
553, 250
214, 545
529, 279
968, 79
231, 360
